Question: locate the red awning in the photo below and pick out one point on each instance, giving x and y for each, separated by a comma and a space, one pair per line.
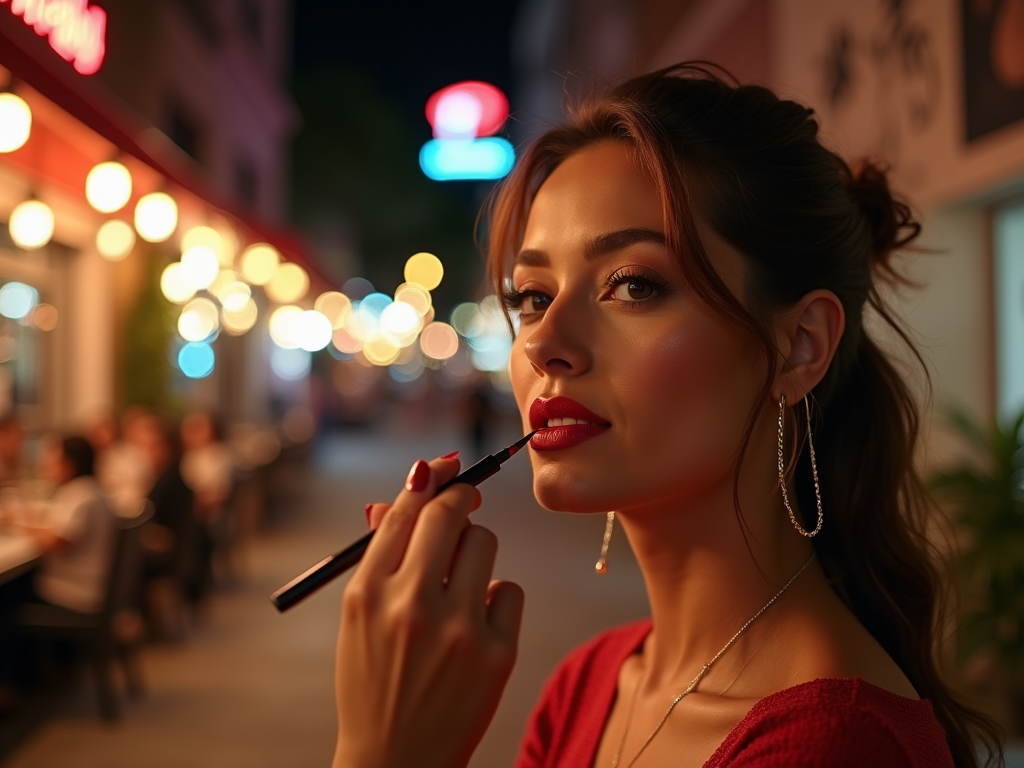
90, 102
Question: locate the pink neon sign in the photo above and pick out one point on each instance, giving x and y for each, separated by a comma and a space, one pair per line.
75, 30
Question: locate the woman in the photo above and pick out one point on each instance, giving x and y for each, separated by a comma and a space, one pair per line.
691, 269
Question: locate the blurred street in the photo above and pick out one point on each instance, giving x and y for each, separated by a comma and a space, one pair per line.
253, 688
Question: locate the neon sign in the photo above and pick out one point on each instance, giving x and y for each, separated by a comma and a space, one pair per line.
464, 116
74, 29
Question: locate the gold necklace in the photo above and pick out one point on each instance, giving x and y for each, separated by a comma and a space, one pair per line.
700, 675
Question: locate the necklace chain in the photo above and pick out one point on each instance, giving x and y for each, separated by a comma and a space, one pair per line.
700, 675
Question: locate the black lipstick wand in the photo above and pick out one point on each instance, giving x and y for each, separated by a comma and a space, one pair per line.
331, 567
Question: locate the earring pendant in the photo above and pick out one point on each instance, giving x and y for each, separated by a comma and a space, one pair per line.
814, 471
601, 566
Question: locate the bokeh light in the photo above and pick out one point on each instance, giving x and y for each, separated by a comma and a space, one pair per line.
357, 288
31, 224
312, 331
467, 319
424, 269
259, 263
174, 284
380, 351
335, 306
196, 359
439, 341
290, 364
208, 237
344, 341
156, 217
15, 122
289, 283
44, 317
282, 322
108, 187
416, 296
234, 296
224, 278
199, 320
237, 323
17, 300
115, 239
400, 323
200, 266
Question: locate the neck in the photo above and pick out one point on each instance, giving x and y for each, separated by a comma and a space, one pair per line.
707, 572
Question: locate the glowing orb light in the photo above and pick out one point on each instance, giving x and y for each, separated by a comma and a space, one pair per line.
289, 283
439, 341
237, 323
290, 364
312, 330
44, 317
156, 216
234, 296
196, 359
424, 269
199, 320
31, 224
381, 351
201, 266
259, 263
400, 323
335, 306
467, 159
108, 187
416, 296
175, 285
345, 342
282, 326
357, 288
115, 239
17, 300
15, 122
467, 320
466, 110
208, 237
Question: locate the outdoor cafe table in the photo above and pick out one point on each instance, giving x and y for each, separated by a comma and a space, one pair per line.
18, 553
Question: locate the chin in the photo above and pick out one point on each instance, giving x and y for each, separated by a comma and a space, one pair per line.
560, 491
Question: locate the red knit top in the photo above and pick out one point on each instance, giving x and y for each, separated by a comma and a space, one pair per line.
827, 723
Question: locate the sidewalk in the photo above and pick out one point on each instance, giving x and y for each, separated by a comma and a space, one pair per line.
250, 688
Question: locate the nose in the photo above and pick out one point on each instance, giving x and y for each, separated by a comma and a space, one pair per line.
557, 345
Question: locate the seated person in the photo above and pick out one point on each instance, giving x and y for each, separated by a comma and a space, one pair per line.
78, 534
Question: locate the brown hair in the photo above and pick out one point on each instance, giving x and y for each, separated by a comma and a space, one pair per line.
752, 165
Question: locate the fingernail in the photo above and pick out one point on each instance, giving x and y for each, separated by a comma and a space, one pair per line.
418, 477
451, 455
369, 509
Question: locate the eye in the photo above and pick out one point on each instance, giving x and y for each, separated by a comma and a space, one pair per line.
633, 289
526, 302
636, 287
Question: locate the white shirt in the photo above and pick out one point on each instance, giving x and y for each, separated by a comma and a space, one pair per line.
75, 575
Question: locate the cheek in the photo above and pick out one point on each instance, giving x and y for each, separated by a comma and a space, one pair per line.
521, 376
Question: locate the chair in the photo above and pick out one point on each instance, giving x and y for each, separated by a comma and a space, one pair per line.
116, 629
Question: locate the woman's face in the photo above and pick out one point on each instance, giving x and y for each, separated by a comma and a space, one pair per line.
609, 322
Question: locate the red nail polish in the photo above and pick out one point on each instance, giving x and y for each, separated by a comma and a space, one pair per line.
369, 509
418, 477
451, 455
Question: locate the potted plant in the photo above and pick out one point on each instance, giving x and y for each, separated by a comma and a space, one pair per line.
986, 500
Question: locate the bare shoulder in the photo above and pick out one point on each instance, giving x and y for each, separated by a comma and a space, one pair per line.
824, 639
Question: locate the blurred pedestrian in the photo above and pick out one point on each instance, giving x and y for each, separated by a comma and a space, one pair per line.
121, 468
208, 469
12, 443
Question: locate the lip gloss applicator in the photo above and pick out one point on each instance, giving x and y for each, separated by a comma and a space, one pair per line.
331, 567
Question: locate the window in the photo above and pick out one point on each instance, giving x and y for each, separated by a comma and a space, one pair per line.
1009, 308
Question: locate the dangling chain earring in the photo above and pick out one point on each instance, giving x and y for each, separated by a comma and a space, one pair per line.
814, 471
601, 566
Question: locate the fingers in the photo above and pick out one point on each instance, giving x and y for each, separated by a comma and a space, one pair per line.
472, 568
505, 601
375, 512
437, 533
386, 551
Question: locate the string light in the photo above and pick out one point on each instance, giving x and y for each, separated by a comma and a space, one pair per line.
15, 122
156, 217
31, 224
115, 239
108, 187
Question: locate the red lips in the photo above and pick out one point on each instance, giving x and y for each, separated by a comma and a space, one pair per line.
567, 435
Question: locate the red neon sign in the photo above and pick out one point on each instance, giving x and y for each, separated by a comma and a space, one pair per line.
76, 31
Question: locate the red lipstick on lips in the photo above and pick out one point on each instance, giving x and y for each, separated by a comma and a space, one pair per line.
567, 435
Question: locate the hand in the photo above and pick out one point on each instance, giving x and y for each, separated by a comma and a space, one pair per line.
427, 639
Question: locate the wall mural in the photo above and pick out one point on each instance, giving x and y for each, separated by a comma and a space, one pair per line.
898, 59
993, 39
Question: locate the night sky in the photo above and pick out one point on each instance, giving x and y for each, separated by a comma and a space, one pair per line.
408, 49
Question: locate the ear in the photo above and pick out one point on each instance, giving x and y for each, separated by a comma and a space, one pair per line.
807, 337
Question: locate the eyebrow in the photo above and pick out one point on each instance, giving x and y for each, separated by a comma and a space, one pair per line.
597, 246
